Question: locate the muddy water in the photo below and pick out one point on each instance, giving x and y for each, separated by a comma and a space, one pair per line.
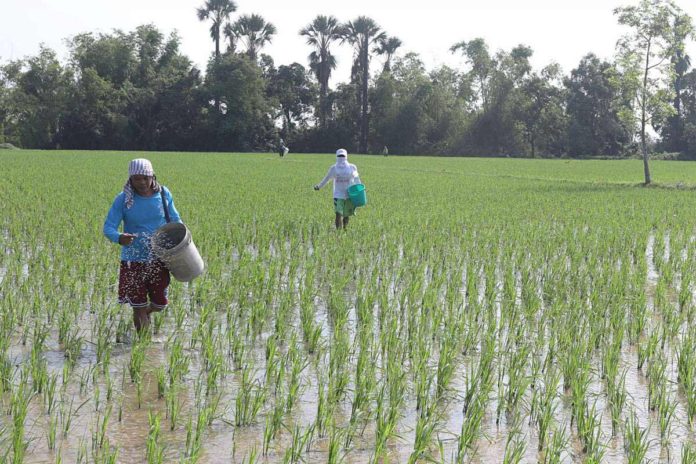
128, 424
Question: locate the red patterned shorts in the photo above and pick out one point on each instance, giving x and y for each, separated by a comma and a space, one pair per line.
139, 281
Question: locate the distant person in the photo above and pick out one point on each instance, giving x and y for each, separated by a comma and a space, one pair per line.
344, 175
143, 207
385, 151
282, 149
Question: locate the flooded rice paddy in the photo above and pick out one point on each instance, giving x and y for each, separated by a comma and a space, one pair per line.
541, 317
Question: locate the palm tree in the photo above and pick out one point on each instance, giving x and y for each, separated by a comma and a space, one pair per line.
218, 11
388, 47
254, 31
228, 31
320, 33
362, 34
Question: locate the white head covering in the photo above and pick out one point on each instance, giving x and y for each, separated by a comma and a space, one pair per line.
138, 167
341, 157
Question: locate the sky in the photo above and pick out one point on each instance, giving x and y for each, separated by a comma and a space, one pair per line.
558, 31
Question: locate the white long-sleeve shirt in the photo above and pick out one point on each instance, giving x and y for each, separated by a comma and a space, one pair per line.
343, 175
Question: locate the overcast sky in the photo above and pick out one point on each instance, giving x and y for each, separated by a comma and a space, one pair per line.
556, 30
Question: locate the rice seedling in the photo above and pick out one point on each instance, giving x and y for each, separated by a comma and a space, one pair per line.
173, 406
688, 454
616, 397
194, 435
66, 415
426, 427
99, 441
52, 431
557, 443
106, 455
387, 416
81, 452
336, 438
252, 457
547, 406
50, 397
324, 408
636, 442
471, 427
273, 424
250, 398
299, 444
297, 364
589, 429
666, 407
514, 447
155, 452
178, 362
686, 372
6, 368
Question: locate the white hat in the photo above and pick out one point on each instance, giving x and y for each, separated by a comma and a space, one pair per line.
341, 152
140, 167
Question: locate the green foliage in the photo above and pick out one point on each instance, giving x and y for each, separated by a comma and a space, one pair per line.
645, 59
243, 121
296, 95
35, 97
593, 106
136, 91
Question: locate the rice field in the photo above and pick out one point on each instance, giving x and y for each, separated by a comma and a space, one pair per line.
476, 311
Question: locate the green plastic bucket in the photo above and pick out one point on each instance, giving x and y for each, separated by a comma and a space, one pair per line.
357, 196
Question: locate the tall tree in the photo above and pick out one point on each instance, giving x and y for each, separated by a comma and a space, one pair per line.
593, 106
218, 11
231, 35
363, 34
321, 33
39, 93
539, 109
415, 112
644, 54
673, 131
5, 110
254, 32
295, 94
689, 113
388, 47
131, 91
148, 42
482, 67
244, 122
110, 55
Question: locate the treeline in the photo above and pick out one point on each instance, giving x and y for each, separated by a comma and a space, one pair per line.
137, 91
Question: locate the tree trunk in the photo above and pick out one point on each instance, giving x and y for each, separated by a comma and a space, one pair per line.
323, 87
643, 116
363, 114
217, 60
643, 141
646, 167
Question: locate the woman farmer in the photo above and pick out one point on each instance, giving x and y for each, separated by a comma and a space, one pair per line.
344, 174
143, 207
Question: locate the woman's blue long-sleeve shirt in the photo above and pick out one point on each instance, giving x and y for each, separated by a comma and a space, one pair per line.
142, 219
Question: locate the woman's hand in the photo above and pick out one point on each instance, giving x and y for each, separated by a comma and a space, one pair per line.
125, 239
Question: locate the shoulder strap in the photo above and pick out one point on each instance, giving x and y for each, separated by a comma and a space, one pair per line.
164, 205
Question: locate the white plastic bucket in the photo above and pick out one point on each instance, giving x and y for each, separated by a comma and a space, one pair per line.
172, 243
